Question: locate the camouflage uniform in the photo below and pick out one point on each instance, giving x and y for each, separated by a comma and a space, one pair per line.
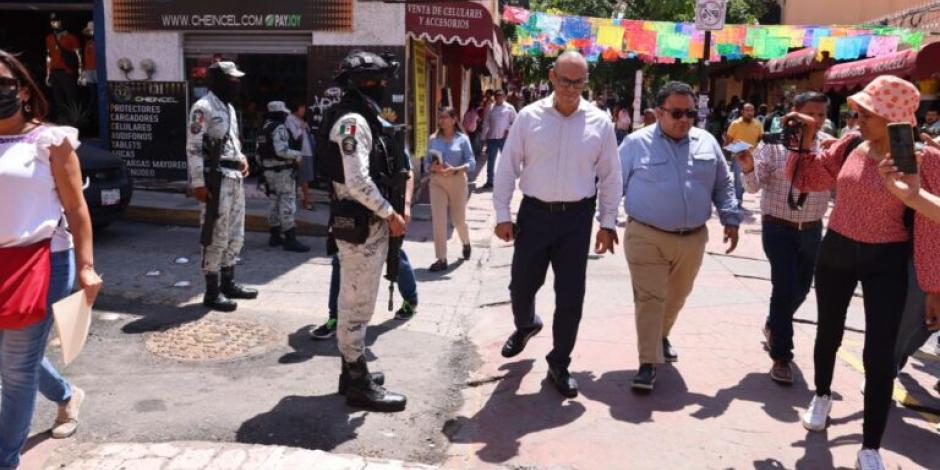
360, 265
211, 116
282, 182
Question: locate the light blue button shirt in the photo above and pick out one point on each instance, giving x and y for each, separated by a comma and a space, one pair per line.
672, 184
456, 152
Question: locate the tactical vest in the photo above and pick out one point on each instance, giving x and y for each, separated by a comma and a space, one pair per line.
266, 141
329, 161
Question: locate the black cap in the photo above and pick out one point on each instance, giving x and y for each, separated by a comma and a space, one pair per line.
365, 63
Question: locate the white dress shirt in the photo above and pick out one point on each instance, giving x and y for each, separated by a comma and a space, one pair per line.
559, 158
498, 120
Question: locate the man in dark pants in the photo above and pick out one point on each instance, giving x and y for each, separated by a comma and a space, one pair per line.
790, 236
563, 151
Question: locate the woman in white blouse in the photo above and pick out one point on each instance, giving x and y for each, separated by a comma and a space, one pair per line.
40, 195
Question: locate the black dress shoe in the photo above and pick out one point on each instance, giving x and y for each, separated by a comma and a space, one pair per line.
645, 378
466, 252
438, 266
563, 381
669, 354
517, 341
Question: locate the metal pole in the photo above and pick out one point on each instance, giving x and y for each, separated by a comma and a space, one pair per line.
703, 84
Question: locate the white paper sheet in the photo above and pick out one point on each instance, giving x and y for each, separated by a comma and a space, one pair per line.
72, 322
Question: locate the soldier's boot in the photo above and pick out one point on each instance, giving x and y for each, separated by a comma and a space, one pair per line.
291, 243
377, 377
234, 290
275, 239
364, 392
214, 298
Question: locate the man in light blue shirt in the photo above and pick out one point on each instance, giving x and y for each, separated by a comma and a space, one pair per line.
672, 174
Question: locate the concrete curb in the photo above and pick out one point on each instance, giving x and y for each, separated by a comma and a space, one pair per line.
190, 218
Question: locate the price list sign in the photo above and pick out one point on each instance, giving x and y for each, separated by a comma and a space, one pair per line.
147, 122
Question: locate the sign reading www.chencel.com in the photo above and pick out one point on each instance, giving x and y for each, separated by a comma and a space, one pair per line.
232, 15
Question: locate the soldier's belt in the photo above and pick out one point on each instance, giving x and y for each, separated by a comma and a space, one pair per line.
230, 164
279, 168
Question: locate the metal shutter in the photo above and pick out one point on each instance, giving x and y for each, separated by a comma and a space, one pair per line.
246, 43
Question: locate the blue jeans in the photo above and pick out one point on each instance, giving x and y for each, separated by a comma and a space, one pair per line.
738, 181
493, 147
21, 352
792, 255
407, 285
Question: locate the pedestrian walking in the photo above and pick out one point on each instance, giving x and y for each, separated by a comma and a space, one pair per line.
280, 163
672, 174
471, 125
451, 158
790, 232
563, 151
217, 169
496, 124
867, 242
360, 160
624, 123
745, 129
41, 190
300, 132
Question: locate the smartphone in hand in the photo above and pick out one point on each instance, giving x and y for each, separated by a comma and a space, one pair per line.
901, 138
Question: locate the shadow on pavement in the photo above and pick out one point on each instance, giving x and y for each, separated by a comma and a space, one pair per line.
509, 416
321, 422
306, 348
35, 440
424, 275
780, 403
160, 317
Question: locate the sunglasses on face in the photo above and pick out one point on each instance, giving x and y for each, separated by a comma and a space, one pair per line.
680, 113
9, 85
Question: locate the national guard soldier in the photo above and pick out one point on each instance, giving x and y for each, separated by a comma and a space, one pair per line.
280, 163
217, 169
354, 154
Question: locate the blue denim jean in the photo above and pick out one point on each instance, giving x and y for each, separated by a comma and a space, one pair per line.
407, 285
493, 147
21, 373
738, 181
792, 254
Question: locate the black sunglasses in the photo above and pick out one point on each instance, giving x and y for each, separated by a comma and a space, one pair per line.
9, 84
680, 113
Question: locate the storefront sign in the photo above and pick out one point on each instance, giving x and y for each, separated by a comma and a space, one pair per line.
147, 123
461, 22
232, 15
419, 81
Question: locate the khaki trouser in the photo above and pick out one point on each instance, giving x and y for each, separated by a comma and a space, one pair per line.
360, 274
663, 267
448, 194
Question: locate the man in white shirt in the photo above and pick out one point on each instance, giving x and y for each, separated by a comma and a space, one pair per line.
496, 126
563, 151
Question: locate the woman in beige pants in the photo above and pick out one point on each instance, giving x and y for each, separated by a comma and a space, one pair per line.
450, 157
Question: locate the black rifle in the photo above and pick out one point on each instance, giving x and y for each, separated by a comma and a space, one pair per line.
395, 181
213, 150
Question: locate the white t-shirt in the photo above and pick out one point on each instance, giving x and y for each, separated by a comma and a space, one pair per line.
30, 209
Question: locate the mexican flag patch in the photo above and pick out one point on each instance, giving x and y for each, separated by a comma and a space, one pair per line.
348, 127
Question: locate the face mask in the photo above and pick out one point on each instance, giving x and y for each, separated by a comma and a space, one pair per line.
375, 93
9, 104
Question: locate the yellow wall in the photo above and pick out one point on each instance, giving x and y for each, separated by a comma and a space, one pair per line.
842, 11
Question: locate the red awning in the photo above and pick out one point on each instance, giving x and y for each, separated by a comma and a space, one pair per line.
795, 63
907, 64
464, 23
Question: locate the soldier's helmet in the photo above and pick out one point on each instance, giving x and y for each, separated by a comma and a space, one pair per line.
361, 65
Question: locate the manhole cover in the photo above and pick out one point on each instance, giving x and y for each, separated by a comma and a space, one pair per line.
210, 339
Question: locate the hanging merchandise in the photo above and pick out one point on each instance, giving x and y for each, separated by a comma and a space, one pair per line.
549, 34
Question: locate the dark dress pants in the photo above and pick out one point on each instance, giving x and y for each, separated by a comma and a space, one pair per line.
561, 239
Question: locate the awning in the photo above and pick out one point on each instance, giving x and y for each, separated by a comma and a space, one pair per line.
907, 64
795, 63
464, 23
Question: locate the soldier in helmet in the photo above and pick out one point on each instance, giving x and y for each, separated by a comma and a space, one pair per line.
217, 169
280, 163
355, 156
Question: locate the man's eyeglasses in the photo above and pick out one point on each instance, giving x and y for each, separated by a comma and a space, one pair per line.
680, 113
569, 83
9, 85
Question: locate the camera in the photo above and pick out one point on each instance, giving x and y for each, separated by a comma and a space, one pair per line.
791, 136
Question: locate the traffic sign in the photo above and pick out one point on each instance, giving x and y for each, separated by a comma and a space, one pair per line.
710, 14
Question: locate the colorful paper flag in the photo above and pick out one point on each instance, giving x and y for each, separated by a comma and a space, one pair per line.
610, 36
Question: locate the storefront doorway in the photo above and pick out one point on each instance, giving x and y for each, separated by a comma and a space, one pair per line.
24, 33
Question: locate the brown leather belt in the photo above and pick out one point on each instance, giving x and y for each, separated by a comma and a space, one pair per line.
681, 233
769, 219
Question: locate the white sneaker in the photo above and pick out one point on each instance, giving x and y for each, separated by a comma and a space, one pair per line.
816, 417
66, 422
869, 459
